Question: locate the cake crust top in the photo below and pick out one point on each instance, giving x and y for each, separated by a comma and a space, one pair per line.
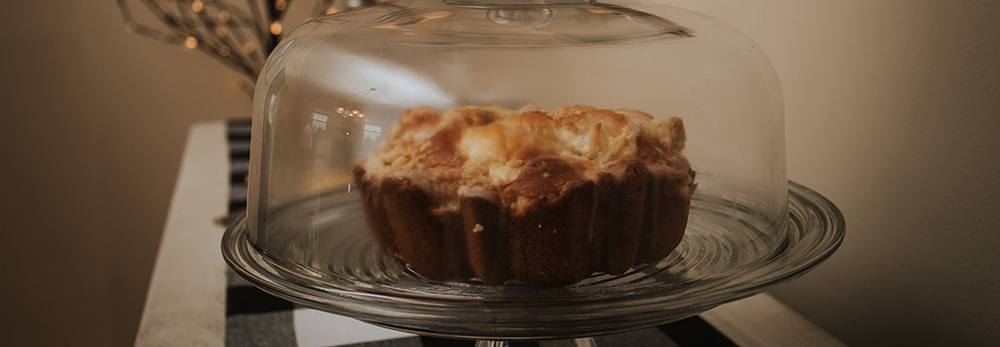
477, 151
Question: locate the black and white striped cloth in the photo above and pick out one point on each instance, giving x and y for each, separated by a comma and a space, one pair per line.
255, 318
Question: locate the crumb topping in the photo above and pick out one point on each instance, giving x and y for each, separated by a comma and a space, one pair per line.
476, 151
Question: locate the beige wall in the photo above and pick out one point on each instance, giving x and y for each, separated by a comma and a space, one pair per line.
93, 123
891, 112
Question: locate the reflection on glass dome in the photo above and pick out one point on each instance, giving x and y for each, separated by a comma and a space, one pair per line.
377, 79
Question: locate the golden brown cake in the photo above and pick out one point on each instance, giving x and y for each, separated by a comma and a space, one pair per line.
547, 196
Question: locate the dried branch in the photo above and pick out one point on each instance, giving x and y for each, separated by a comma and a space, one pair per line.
239, 38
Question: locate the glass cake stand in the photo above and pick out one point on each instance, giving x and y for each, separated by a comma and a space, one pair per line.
724, 257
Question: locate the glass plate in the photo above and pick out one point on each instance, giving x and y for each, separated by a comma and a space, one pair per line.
724, 257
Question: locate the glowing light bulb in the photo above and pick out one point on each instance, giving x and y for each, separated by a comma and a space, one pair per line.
224, 51
276, 28
221, 32
224, 17
280, 5
197, 6
190, 42
249, 47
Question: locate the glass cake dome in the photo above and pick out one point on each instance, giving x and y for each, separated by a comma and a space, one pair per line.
522, 169
510, 152
334, 163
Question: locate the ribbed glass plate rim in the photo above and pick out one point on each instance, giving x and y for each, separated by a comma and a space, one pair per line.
816, 229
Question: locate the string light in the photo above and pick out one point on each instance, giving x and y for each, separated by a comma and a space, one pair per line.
210, 27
